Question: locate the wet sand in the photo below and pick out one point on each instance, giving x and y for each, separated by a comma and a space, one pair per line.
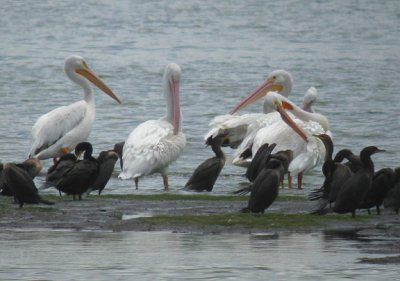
118, 214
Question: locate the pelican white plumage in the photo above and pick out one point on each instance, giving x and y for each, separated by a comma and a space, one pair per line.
60, 130
235, 126
308, 151
266, 120
155, 144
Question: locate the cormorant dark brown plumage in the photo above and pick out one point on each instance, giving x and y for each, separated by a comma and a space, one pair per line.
335, 175
118, 148
258, 161
106, 161
354, 161
56, 172
79, 178
206, 174
392, 199
354, 189
285, 156
21, 185
382, 181
265, 187
32, 166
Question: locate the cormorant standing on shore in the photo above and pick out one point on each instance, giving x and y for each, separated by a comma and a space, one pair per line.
79, 178
206, 174
354, 189
21, 185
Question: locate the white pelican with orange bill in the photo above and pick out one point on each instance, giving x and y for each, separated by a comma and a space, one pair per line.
235, 126
308, 151
60, 130
153, 145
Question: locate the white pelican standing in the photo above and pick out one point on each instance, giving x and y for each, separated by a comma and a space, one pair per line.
308, 151
235, 126
60, 130
155, 144
266, 120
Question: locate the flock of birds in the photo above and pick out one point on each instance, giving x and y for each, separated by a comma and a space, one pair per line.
285, 139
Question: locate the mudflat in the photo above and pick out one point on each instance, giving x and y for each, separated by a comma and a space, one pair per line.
186, 213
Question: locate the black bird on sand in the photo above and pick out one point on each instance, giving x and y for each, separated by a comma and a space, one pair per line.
354, 189
392, 199
31, 165
21, 185
382, 182
79, 178
285, 156
265, 187
106, 161
335, 175
57, 171
206, 174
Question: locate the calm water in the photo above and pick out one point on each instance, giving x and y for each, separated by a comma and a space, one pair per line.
132, 255
348, 50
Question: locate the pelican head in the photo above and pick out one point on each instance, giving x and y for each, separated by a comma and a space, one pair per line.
280, 103
278, 80
172, 76
78, 71
309, 98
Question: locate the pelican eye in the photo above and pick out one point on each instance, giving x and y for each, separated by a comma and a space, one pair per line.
85, 64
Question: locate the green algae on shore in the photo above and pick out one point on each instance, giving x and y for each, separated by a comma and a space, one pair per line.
261, 221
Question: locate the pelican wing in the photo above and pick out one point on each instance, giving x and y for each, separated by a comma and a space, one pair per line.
264, 120
313, 155
233, 125
150, 148
51, 127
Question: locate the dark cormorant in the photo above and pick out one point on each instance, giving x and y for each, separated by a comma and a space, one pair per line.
381, 183
335, 175
392, 199
32, 166
206, 174
21, 185
285, 156
79, 178
354, 188
118, 148
354, 161
265, 187
258, 161
56, 172
106, 161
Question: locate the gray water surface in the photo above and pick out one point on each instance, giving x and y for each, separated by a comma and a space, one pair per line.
63, 255
348, 50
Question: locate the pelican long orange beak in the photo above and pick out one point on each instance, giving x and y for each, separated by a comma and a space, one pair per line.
257, 94
174, 88
95, 79
288, 120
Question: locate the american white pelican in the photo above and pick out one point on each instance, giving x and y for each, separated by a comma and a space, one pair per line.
308, 151
266, 120
235, 126
60, 130
155, 144
309, 98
